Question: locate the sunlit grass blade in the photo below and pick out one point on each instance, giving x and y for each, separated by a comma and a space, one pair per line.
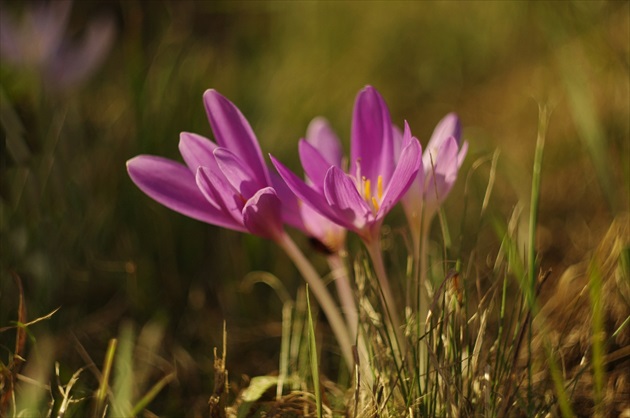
313, 356
530, 291
103, 388
124, 378
152, 393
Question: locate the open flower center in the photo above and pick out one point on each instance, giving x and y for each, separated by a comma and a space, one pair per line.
374, 200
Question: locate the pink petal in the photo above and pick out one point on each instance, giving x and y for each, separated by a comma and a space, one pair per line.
372, 144
321, 136
215, 188
343, 197
232, 131
448, 126
237, 173
290, 208
441, 176
197, 151
173, 185
314, 164
261, 214
405, 173
462, 154
304, 192
74, 62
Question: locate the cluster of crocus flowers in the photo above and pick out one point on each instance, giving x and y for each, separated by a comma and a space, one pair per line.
360, 199
227, 183
38, 42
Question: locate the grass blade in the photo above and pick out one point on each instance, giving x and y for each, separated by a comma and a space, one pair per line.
103, 388
313, 356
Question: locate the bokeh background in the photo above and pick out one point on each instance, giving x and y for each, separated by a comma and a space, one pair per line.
82, 237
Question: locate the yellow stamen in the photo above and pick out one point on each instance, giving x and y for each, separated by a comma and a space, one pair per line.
375, 204
379, 187
368, 190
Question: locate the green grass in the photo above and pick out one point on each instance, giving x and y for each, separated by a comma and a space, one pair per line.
111, 305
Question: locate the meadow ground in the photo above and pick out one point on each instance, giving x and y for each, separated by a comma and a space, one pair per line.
112, 305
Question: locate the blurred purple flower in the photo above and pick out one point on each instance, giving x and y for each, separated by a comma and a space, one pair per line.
37, 42
360, 199
441, 162
226, 183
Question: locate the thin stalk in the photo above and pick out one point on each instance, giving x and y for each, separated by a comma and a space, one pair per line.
422, 297
349, 307
316, 285
533, 222
374, 249
342, 281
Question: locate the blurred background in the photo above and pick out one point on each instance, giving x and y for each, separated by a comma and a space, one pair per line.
126, 77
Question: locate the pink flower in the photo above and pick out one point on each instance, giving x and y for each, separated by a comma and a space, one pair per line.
441, 162
37, 42
226, 183
360, 199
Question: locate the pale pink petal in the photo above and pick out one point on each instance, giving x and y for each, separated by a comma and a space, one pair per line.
321, 136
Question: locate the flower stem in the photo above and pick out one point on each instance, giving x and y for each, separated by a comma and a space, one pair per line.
342, 281
387, 298
349, 307
326, 301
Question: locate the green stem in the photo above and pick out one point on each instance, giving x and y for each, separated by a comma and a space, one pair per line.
316, 285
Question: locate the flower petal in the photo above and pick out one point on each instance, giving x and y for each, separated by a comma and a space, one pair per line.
412, 198
217, 189
290, 208
306, 193
232, 131
314, 164
462, 154
328, 233
261, 214
344, 198
197, 151
237, 173
448, 126
173, 185
321, 136
372, 137
406, 170
442, 174
74, 62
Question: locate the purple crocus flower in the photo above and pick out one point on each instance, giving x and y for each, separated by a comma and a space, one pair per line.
37, 43
441, 162
322, 139
360, 199
226, 183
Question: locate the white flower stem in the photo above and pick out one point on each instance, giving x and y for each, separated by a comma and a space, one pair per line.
387, 298
344, 290
326, 302
420, 233
339, 271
